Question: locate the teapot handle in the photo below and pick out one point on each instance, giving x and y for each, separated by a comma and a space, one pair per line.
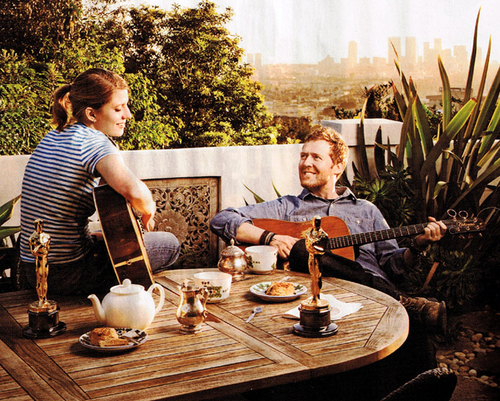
162, 296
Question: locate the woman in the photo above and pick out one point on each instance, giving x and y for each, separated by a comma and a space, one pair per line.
60, 177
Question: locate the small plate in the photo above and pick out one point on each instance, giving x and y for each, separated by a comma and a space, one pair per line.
137, 337
261, 288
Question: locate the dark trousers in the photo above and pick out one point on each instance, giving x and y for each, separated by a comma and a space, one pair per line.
332, 265
92, 274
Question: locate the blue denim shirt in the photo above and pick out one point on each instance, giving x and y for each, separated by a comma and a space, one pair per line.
383, 258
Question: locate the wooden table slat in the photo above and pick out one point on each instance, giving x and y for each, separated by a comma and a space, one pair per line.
9, 388
23, 374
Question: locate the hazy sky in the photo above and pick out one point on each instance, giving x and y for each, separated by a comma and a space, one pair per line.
306, 31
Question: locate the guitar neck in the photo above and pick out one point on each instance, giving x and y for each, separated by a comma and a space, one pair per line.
375, 236
340, 237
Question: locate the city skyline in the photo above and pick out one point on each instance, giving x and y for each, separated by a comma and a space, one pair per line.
307, 31
405, 48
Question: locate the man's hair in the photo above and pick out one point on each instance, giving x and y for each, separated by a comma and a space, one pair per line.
339, 150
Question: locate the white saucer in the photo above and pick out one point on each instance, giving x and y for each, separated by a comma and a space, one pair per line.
137, 337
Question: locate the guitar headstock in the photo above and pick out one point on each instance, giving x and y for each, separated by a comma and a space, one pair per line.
461, 223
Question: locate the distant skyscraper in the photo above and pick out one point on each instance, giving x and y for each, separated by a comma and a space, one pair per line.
250, 59
364, 61
396, 42
352, 55
428, 53
460, 54
411, 51
438, 45
379, 62
258, 60
431, 55
446, 56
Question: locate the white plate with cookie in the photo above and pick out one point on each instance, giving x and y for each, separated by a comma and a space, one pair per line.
278, 291
113, 340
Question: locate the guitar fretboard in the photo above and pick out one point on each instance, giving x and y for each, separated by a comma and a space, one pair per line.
374, 236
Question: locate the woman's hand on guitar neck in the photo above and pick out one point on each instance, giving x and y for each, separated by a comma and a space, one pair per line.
284, 243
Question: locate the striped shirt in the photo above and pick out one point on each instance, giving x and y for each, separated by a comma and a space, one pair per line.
58, 188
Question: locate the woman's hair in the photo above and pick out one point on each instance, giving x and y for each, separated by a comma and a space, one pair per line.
339, 151
93, 88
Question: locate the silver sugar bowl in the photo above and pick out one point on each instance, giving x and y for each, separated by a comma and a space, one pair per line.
233, 261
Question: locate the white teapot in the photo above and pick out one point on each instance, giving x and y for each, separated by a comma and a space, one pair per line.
128, 306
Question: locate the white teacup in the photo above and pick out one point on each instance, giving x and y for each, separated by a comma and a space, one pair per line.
217, 283
261, 259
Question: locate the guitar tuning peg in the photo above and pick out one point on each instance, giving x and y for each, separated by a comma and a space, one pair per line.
463, 214
452, 213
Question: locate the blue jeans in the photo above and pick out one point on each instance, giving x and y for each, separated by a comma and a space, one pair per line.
95, 274
163, 249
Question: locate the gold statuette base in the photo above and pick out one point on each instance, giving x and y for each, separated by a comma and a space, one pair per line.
47, 307
315, 321
43, 321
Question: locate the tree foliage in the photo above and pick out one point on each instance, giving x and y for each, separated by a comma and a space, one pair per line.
27, 26
188, 85
292, 129
24, 115
203, 85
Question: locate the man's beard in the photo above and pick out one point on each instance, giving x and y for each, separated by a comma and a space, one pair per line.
312, 185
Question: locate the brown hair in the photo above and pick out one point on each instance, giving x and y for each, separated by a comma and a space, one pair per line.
339, 150
93, 88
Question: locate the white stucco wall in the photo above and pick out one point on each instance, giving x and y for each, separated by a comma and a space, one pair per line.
257, 167
348, 129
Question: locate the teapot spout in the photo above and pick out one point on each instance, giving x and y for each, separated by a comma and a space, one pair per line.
98, 309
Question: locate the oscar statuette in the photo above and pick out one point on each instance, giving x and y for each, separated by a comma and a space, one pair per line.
315, 312
43, 314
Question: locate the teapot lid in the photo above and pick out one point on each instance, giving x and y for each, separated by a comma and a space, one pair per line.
127, 288
232, 251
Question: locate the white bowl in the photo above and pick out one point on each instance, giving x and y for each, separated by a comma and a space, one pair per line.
261, 259
217, 283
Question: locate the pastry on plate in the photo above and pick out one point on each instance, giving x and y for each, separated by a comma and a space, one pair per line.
281, 288
106, 337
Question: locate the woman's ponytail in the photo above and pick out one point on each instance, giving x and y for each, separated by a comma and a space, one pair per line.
60, 112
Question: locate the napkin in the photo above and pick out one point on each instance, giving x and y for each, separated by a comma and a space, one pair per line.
339, 309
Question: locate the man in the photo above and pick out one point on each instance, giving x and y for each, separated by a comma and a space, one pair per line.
379, 264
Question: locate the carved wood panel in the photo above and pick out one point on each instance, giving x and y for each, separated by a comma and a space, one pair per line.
185, 206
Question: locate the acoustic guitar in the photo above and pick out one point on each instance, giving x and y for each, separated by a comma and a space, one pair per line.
341, 241
123, 236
